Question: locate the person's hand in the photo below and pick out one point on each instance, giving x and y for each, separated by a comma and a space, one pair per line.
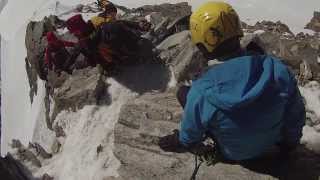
170, 143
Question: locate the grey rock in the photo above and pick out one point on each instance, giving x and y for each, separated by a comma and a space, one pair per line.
293, 51
305, 73
184, 58
173, 11
166, 19
16, 144
55, 148
35, 45
273, 27
40, 150
47, 177
27, 155
59, 131
314, 24
311, 118
143, 121
11, 169
84, 87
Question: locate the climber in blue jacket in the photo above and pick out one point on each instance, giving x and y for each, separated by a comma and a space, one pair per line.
247, 102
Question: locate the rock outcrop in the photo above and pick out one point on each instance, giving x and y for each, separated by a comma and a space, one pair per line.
153, 110
182, 56
143, 121
166, 19
11, 169
314, 24
269, 26
295, 51
35, 44
84, 87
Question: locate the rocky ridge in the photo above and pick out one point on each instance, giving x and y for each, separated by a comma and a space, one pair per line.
154, 112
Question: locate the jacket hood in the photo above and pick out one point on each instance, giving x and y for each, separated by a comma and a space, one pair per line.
238, 82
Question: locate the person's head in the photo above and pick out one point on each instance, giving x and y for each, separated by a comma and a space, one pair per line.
78, 27
216, 29
109, 8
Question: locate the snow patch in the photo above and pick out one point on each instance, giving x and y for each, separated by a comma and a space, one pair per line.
87, 150
311, 138
258, 32
311, 93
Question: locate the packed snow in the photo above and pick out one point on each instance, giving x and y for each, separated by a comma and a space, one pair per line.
86, 130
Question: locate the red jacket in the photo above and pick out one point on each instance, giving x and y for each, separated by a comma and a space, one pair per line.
56, 46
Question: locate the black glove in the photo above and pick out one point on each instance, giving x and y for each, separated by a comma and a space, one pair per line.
170, 143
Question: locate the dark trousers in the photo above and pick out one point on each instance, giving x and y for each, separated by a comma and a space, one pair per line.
182, 94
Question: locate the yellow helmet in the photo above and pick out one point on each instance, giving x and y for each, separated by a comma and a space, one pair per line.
213, 23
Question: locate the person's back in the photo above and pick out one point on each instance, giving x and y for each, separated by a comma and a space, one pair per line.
247, 104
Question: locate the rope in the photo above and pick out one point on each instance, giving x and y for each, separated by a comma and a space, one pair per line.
196, 168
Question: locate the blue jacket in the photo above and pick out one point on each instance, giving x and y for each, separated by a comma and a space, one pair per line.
247, 104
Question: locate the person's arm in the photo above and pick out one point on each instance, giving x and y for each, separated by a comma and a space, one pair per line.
294, 120
196, 118
68, 43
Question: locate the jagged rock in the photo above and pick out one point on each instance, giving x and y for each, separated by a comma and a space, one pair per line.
274, 27
16, 144
40, 150
11, 169
293, 52
35, 45
167, 19
312, 119
314, 24
305, 73
47, 177
59, 131
24, 154
184, 58
55, 148
84, 87
172, 11
144, 120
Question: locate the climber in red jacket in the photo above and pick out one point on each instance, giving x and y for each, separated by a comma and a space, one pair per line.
57, 57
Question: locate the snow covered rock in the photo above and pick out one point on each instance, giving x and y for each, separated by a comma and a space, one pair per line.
84, 87
172, 11
314, 24
299, 52
166, 19
268, 26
